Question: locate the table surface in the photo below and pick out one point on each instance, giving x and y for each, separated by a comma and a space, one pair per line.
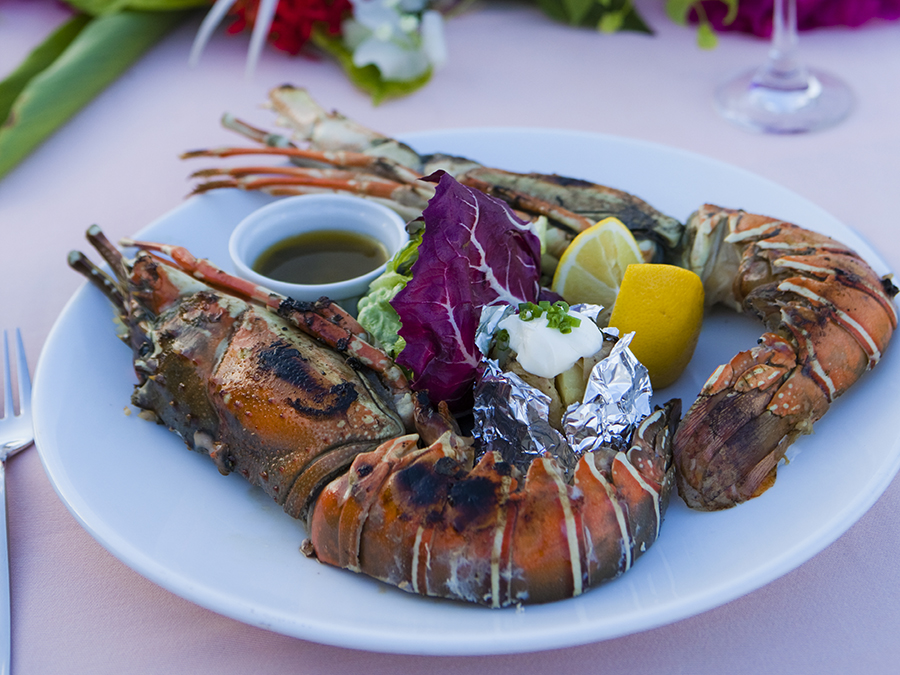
77, 609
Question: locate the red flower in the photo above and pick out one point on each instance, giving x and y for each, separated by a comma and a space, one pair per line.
755, 16
294, 20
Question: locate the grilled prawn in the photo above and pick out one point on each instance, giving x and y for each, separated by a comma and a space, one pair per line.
829, 318
292, 397
340, 154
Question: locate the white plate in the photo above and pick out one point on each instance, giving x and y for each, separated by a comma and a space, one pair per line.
216, 541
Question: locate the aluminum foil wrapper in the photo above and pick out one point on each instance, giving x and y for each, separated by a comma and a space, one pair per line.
511, 418
617, 398
592, 312
491, 316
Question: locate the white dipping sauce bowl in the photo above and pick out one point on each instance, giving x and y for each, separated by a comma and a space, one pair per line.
292, 216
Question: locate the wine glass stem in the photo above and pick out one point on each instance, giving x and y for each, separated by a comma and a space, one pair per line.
784, 69
784, 96
784, 34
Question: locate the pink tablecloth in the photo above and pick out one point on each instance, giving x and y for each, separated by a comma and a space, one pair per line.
77, 609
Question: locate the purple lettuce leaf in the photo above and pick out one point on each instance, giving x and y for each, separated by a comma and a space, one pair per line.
474, 252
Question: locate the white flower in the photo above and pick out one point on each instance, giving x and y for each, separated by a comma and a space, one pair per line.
433, 43
393, 36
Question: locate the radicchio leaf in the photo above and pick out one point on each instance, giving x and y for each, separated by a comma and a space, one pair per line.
474, 252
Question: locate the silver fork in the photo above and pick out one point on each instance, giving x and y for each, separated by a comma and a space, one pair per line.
16, 433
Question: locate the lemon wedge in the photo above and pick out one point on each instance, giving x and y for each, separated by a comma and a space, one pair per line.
591, 268
663, 305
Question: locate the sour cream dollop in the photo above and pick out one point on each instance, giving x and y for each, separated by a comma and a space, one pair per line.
547, 352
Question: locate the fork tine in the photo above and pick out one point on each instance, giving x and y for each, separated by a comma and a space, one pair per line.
7, 380
24, 378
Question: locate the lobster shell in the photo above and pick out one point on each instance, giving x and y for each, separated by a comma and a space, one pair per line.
830, 318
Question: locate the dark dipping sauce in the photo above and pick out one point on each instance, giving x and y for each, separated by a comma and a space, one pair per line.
321, 257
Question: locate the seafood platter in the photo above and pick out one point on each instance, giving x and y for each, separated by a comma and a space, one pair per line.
387, 497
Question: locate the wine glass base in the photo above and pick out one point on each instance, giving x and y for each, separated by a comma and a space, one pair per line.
821, 101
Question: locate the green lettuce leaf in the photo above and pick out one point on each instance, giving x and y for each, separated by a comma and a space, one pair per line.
375, 312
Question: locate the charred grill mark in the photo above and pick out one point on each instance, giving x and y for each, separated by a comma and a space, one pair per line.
503, 468
433, 518
330, 403
289, 306
471, 499
288, 364
422, 485
638, 221
447, 466
325, 307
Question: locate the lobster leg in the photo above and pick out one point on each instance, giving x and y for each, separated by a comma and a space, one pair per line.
323, 320
305, 157
205, 270
282, 180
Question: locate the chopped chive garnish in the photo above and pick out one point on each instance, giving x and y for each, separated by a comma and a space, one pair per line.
557, 314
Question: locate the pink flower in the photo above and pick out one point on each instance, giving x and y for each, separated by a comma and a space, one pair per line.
755, 16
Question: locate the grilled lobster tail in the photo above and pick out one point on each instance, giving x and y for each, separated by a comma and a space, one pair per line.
424, 520
829, 317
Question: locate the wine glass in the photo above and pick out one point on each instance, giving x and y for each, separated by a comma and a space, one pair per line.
784, 96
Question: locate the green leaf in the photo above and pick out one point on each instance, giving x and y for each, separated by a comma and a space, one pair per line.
375, 313
100, 7
554, 9
611, 22
39, 59
678, 10
368, 78
605, 15
633, 21
706, 36
577, 10
101, 52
